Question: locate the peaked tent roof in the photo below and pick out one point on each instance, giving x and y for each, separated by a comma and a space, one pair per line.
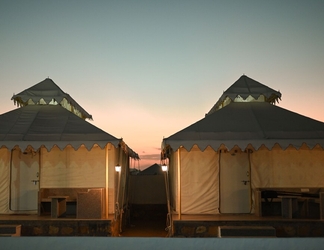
155, 169
48, 91
50, 125
245, 87
249, 123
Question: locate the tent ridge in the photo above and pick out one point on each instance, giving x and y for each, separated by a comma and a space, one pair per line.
245, 87
48, 91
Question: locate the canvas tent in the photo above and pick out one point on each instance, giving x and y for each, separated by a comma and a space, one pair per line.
155, 169
148, 186
243, 143
46, 143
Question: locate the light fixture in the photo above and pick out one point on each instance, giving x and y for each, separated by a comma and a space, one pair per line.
29, 150
118, 168
164, 168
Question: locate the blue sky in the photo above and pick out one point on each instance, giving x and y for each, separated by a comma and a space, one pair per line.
146, 69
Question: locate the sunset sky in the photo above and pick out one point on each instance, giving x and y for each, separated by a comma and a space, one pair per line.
147, 69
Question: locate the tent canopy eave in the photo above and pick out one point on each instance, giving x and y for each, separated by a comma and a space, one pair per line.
23, 145
230, 144
60, 144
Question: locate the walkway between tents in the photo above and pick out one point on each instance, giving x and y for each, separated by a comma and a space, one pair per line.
146, 221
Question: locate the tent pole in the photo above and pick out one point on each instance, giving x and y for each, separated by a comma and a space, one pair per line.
219, 181
179, 182
10, 177
250, 179
117, 206
106, 193
169, 216
39, 177
124, 163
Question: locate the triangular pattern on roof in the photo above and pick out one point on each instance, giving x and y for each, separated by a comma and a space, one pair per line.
246, 89
47, 92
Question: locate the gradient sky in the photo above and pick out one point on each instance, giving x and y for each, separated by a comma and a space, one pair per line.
146, 69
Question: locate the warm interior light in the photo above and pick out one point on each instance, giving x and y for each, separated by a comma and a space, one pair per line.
164, 168
118, 168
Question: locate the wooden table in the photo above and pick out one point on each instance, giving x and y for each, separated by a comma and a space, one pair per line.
58, 206
289, 206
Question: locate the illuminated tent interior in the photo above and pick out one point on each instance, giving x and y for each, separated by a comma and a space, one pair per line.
243, 143
46, 143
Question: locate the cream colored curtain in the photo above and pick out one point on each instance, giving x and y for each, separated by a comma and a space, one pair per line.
73, 168
173, 180
4, 180
199, 181
288, 168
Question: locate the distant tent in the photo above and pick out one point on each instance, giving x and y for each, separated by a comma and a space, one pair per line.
148, 186
44, 144
243, 143
155, 169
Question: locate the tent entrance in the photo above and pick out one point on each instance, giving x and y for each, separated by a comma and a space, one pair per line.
24, 181
235, 183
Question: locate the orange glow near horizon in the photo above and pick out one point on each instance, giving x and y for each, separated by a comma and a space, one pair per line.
147, 69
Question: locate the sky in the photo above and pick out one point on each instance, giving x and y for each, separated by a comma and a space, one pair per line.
147, 69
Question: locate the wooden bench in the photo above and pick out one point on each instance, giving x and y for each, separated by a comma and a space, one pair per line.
62, 202
246, 231
45, 205
58, 206
10, 230
289, 206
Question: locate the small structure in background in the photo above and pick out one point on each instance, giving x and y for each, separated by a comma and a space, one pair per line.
147, 197
155, 169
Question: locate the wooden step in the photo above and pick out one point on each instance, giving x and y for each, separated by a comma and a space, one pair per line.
10, 230
246, 231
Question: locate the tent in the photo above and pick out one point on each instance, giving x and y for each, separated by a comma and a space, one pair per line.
154, 169
47, 144
148, 186
245, 142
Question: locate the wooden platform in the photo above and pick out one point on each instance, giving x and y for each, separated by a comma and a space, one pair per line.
10, 230
246, 231
208, 225
197, 226
34, 225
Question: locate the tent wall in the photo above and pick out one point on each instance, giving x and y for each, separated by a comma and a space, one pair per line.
147, 189
287, 168
72, 168
275, 168
80, 168
121, 181
17, 191
173, 180
23, 191
199, 181
4, 180
235, 194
